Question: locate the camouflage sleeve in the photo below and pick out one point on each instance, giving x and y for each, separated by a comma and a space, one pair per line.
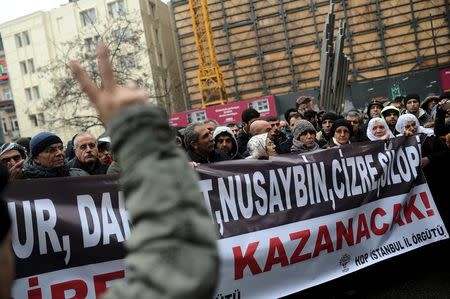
172, 248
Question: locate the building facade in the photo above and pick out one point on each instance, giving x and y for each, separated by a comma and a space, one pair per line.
273, 47
10, 126
36, 41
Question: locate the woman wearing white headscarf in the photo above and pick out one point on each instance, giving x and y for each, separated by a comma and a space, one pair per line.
378, 129
408, 125
435, 159
260, 147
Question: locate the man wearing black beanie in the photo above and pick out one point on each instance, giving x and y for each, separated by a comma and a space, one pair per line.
47, 158
412, 104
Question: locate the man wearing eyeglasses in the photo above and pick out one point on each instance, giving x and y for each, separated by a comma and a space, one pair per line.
86, 154
47, 158
13, 155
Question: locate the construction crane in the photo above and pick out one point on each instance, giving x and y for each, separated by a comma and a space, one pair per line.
210, 79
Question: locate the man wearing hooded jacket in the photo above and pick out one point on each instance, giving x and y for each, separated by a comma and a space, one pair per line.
225, 141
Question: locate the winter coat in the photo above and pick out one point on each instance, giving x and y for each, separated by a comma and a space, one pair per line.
31, 170
99, 168
171, 252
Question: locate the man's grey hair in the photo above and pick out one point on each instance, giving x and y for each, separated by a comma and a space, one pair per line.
355, 113
79, 135
210, 120
190, 135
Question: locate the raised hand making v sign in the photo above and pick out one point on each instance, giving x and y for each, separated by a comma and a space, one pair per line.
171, 252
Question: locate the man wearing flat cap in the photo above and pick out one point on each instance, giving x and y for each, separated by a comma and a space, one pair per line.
412, 104
13, 156
47, 158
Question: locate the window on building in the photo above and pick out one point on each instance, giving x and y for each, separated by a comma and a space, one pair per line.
90, 43
41, 119
18, 40
33, 120
60, 23
7, 94
28, 94
88, 17
31, 65
26, 37
23, 67
117, 8
121, 35
261, 106
14, 124
1, 44
36, 93
161, 59
127, 61
5, 127
151, 8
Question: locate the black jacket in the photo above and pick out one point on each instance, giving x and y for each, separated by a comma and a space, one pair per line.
99, 167
215, 156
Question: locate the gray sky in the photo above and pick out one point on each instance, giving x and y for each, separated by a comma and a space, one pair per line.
13, 9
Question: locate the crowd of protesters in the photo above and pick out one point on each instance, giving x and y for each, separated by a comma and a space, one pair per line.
304, 129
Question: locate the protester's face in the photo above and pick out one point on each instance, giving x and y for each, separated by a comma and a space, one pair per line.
205, 143
410, 128
224, 143
326, 125
354, 121
292, 122
308, 139
412, 106
86, 149
51, 157
342, 135
375, 111
275, 128
211, 126
431, 104
378, 130
235, 130
11, 158
105, 153
283, 125
270, 147
391, 118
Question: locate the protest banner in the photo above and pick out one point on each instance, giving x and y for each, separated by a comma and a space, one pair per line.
284, 224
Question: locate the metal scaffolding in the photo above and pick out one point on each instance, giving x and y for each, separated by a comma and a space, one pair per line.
210, 79
334, 66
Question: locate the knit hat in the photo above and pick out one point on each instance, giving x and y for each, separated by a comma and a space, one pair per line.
342, 122
373, 103
390, 109
302, 126
13, 146
41, 141
329, 115
410, 97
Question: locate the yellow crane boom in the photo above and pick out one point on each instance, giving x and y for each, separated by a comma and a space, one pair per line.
211, 83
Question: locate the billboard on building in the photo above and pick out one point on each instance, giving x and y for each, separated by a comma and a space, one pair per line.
225, 114
3, 71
